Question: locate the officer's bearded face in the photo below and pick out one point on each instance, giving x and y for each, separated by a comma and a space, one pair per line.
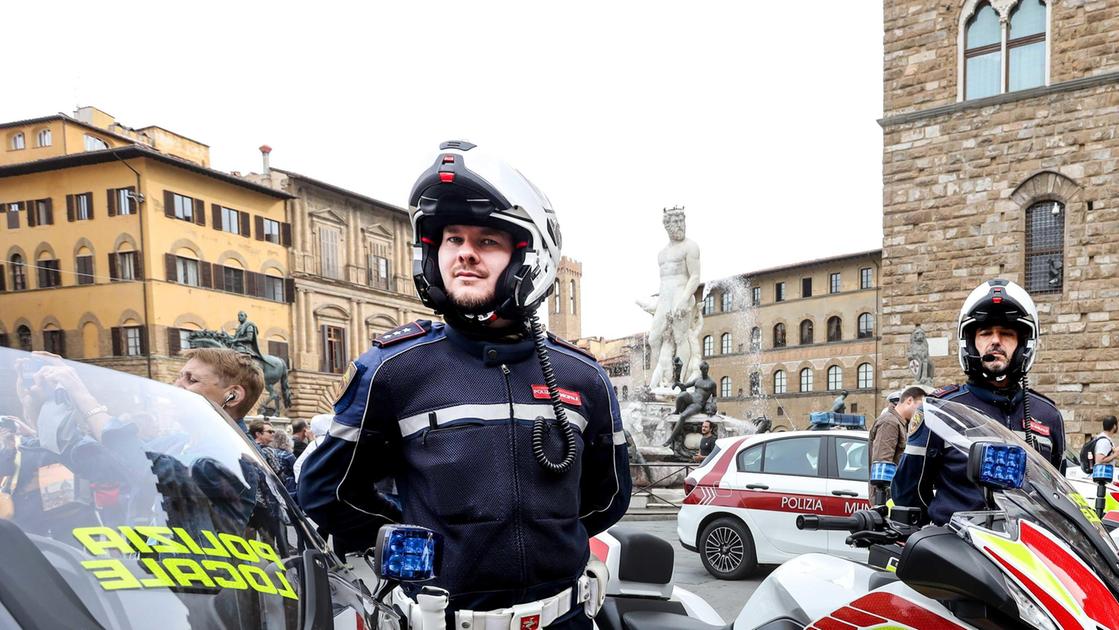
471, 259
998, 341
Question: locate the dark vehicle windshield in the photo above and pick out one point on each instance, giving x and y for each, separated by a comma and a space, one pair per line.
1047, 498
150, 503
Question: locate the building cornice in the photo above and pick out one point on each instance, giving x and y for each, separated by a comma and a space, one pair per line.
1000, 99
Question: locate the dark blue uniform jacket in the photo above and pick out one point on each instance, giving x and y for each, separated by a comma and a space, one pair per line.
933, 476
449, 419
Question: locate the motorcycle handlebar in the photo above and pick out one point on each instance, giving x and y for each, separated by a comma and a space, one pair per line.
859, 521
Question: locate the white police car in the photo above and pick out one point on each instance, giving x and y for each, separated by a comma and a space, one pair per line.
741, 504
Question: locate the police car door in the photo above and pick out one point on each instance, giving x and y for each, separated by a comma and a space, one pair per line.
790, 483
848, 474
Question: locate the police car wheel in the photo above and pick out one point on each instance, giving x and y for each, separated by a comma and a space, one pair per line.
727, 549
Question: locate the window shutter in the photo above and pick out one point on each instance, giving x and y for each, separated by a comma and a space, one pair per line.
70, 208
115, 331
89, 203
62, 343
345, 346
285, 234
169, 261
207, 274
199, 212
219, 277
250, 284
289, 289
144, 340
169, 203
244, 218
215, 215
259, 225
4, 340
3, 279
113, 267
388, 276
50, 211
139, 265
111, 202
324, 359
32, 213
173, 342
133, 201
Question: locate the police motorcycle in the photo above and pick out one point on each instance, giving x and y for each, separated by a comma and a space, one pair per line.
128, 504
1038, 557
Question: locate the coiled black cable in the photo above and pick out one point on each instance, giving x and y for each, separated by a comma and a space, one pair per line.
540, 425
1031, 439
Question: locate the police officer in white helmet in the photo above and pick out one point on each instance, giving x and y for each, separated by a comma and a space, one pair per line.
504, 439
998, 342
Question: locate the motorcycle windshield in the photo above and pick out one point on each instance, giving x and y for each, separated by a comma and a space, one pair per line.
149, 502
1046, 498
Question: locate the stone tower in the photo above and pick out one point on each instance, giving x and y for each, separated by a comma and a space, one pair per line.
1004, 170
565, 305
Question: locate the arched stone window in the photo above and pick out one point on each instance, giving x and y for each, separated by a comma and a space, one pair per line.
23, 335
43, 138
755, 339
725, 387
708, 346
806, 380
779, 336
866, 326
1045, 247
19, 273
726, 344
866, 376
1003, 47
835, 328
17, 142
780, 382
835, 378
755, 383
806, 332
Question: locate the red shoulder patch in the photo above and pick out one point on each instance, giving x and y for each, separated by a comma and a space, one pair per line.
944, 391
560, 341
414, 329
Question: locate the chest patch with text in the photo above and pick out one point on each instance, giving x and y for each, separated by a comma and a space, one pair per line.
567, 396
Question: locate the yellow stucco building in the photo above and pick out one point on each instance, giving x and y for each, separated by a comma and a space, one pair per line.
117, 242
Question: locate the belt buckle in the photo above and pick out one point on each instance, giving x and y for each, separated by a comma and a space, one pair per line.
527, 617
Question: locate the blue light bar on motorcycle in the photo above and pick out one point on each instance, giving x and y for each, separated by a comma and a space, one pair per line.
1103, 473
883, 472
997, 465
407, 553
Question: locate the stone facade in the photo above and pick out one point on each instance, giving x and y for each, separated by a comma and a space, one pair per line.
352, 265
565, 304
960, 175
852, 294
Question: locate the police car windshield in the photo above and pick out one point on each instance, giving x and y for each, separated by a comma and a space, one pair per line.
1047, 498
150, 503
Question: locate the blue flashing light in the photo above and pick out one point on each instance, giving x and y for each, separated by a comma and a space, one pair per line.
883, 471
409, 554
1103, 473
1002, 466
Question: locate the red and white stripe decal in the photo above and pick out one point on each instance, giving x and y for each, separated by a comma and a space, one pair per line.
775, 501
713, 477
1081, 581
881, 607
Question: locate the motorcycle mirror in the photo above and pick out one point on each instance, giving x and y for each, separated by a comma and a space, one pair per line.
407, 553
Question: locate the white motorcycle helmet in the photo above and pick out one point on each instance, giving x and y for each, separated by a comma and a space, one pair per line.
998, 302
466, 186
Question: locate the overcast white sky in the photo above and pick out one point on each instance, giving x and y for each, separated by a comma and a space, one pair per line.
758, 116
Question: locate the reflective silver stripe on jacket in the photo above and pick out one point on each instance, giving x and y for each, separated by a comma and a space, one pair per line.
497, 411
919, 451
344, 431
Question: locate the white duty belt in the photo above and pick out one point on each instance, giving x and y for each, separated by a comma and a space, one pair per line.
427, 611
